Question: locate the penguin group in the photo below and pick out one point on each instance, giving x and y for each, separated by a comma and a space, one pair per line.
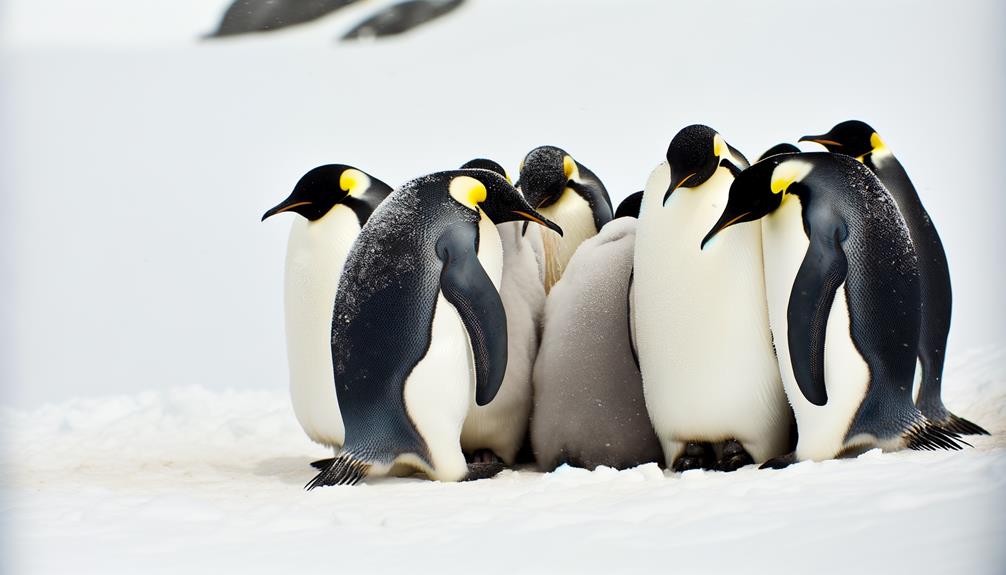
728, 314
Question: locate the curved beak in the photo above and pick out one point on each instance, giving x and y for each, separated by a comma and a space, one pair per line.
823, 139
533, 216
675, 185
726, 220
284, 206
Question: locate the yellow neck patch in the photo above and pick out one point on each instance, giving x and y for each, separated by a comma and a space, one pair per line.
468, 191
718, 146
354, 182
569, 168
787, 173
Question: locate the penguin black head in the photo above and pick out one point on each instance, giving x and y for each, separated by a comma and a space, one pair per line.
694, 154
760, 190
544, 174
486, 164
630, 206
319, 190
784, 148
851, 138
489, 192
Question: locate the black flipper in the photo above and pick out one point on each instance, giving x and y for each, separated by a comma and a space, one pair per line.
823, 270
323, 464
468, 288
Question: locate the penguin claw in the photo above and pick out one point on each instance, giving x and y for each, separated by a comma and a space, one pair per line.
781, 462
734, 457
697, 455
322, 464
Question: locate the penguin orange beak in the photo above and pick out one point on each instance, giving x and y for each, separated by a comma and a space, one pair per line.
726, 220
822, 139
675, 185
283, 207
538, 219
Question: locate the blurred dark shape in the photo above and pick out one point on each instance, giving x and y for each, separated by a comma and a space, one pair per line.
401, 17
246, 16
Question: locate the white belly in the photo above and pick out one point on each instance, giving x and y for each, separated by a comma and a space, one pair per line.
441, 388
822, 428
574, 216
701, 323
502, 425
316, 253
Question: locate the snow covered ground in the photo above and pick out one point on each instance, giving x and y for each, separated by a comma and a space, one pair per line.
146, 425
196, 481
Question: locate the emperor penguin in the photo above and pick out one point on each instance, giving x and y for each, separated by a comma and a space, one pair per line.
588, 393
783, 148
496, 432
710, 376
568, 193
419, 328
334, 201
858, 140
843, 291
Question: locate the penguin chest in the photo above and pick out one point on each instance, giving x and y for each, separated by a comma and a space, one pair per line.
574, 216
822, 428
316, 254
701, 321
441, 386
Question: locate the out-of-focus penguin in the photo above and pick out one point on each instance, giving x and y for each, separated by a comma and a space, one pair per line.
710, 375
419, 328
859, 140
783, 148
569, 194
401, 17
334, 202
843, 291
588, 393
495, 432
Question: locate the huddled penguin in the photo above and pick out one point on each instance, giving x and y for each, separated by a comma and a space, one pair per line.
495, 432
783, 148
710, 376
401, 17
334, 202
569, 194
588, 393
843, 290
244, 16
419, 327
859, 140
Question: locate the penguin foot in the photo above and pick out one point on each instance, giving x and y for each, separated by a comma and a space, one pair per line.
697, 455
484, 456
781, 462
734, 456
322, 464
483, 470
961, 426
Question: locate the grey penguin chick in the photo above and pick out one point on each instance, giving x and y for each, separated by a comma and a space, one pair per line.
588, 393
495, 432
418, 327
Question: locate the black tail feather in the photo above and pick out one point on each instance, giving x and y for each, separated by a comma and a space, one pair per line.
929, 436
962, 426
322, 464
345, 469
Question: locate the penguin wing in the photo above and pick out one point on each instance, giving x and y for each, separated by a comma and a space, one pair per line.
468, 288
823, 270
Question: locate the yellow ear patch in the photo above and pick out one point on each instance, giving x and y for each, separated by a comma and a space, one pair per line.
354, 182
876, 142
718, 145
787, 173
467, 191
568, 167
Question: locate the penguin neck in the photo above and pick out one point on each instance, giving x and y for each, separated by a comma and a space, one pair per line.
573, 214
490, 249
